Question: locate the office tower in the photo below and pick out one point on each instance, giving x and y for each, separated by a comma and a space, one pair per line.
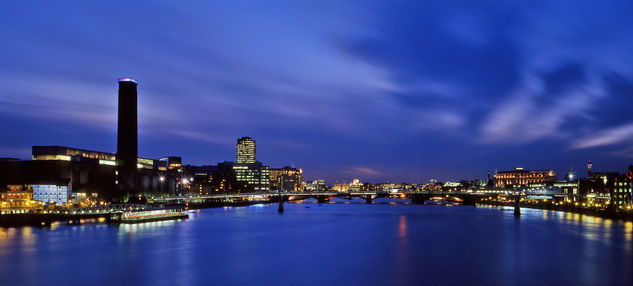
127, 137
245, 151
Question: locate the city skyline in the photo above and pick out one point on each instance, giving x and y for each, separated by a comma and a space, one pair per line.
403, 98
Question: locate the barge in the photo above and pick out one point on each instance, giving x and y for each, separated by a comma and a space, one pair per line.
148, 215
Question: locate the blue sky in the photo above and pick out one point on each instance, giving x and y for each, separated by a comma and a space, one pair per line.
377, 90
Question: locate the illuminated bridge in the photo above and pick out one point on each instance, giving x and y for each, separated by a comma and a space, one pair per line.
105, 212
322, 197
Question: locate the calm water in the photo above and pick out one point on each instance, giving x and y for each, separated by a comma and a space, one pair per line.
332, 244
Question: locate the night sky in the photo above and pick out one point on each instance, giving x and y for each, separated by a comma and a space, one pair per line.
376, 90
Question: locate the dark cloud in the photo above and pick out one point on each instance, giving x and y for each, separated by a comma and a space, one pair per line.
405, 90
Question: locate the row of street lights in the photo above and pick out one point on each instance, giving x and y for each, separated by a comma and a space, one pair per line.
185, 181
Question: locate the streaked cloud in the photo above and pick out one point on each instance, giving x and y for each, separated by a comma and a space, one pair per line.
408, 84
611, 136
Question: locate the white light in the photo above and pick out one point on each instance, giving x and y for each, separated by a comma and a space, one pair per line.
121, 79
161, 178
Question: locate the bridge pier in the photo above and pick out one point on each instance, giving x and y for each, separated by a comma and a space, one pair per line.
280, 208
517, 207
470, 200
368, 199
418, 199
322, 199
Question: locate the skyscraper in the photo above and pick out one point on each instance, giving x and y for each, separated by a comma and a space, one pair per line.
127, 137
246, 151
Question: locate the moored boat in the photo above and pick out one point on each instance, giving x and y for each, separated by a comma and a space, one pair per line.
148, 215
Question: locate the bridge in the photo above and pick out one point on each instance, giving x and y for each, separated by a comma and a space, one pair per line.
238, 199
465, 198
322, 197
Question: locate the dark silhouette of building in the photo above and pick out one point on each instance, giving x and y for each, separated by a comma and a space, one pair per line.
127, 136
112, 176
220, 178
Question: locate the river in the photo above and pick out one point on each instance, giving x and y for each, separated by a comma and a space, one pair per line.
338, 243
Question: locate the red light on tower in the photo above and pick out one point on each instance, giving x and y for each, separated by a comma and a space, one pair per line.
589, 166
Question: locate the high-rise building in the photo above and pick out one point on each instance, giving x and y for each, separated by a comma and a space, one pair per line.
245, 151
127, 136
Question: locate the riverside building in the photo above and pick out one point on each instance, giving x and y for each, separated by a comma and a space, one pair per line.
521, 178
286, 179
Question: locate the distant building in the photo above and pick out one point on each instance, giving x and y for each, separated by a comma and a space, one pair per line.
170, 164
316, 186
231, 177
245, 151
390, 187
622, 195
218, 178
286, 179
522, 178
341, 187
245, 175
452, 186
255, 175
569, 188
589, 169
355, 186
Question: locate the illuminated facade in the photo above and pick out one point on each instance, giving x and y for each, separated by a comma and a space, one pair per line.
230, 177
569, 188
17, 196
286, 179
52, 193
60, 153
246, 151
622, 194
255, 175
316, 186
391, 188
341, 187
355, 186
521, 178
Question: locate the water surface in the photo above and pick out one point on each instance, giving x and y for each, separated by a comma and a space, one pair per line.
330, 244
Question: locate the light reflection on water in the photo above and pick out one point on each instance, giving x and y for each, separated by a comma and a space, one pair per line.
385, 243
